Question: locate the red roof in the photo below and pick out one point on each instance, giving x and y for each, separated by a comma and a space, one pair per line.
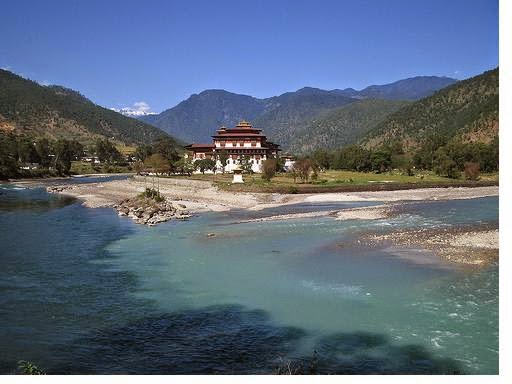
200, 146
243, 130
238, 135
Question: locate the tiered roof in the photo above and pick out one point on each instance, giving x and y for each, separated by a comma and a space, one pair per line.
242, 129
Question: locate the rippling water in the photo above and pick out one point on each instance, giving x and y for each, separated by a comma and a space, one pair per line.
84, 291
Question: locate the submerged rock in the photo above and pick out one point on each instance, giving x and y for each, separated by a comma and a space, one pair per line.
57, 189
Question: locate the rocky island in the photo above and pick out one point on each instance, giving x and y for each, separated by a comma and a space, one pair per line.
149, 207
144, 210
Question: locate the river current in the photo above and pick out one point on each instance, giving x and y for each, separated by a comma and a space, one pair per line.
85, 291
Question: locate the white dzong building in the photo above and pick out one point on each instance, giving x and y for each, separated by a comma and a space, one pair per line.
242, 140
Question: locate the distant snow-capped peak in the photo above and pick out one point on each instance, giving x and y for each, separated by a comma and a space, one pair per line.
140, 108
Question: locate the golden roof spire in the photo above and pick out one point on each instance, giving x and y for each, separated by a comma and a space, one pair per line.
244, 123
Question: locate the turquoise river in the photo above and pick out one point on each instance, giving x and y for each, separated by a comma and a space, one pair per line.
85, 291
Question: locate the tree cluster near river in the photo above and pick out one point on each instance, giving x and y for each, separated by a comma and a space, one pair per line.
447, 158
25, 156
22, 156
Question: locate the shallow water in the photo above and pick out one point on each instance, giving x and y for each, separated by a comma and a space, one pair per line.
84, 291
87, 179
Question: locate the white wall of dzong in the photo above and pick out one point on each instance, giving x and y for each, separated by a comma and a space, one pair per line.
234, 160
230, 144
233, 163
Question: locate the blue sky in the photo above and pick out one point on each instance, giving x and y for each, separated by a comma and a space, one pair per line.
160, 52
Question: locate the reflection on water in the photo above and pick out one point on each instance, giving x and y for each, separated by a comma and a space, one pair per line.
82, 290
13, 198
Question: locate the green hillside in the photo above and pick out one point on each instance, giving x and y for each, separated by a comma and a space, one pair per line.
295, 110
342, 126
57, 112
466, 111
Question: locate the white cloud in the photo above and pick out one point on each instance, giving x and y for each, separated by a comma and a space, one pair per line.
139, 108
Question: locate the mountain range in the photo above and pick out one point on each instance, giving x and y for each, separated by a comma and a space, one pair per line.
302, 121
198, 117
27, 107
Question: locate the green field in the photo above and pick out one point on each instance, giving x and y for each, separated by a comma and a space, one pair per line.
331, 180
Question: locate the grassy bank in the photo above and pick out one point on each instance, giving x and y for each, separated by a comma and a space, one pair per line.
344, 181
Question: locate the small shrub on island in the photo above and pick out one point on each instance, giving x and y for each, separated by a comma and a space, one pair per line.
151, 208
151, 193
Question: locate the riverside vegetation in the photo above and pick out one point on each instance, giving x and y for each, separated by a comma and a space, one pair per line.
28, 156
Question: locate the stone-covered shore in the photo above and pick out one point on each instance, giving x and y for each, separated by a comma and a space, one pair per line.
475, 245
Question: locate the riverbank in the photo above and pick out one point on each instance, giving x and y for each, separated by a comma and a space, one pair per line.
454, 245
202, 196
476, 246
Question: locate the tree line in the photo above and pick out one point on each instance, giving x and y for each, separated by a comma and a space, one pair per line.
53, 157
445, 157
435, 153
25, 156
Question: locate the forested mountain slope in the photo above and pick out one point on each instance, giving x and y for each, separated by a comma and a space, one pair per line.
467, 110
57, 112
342, 126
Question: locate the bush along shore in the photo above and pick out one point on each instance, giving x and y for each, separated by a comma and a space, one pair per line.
151, 208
